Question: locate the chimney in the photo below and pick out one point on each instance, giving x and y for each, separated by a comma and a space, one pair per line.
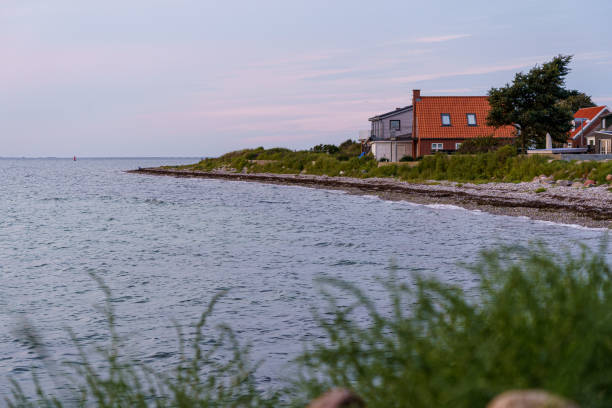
416, 95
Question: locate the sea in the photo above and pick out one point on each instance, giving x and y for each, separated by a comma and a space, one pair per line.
164, 247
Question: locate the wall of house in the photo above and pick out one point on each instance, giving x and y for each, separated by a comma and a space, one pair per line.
392, 151
447, 144
591, 127
599, 137
381, 128
589, 132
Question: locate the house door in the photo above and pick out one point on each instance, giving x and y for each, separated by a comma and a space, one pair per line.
606, 146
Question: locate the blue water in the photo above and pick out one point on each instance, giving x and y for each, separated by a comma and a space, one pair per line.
165, 246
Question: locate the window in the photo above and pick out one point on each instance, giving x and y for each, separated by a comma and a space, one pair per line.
457, 146
591, 141
446, 119
394, 124
471, 119
436, 147
569, 144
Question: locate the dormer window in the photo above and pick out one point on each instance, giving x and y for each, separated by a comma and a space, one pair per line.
446, 119
471, 119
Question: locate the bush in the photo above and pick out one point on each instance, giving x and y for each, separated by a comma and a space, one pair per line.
533, 321
325, 148
503, 164
482, 144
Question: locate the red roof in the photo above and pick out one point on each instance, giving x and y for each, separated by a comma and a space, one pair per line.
586, 113
429, 110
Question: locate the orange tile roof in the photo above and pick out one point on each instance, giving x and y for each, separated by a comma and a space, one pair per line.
586, 113
429, 122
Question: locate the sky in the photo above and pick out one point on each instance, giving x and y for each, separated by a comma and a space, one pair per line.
200, 78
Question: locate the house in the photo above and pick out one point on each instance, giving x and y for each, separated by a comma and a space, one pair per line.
390, 136
587, 121
603, 136
442, 123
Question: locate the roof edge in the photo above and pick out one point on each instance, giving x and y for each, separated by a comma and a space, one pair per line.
604, 107
391, 113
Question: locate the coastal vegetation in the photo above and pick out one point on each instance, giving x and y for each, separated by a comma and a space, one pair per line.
493, 163
533, 319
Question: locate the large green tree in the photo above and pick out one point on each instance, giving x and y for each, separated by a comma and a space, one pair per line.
577, 100
532, 101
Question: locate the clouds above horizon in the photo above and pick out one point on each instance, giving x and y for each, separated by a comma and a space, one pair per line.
201, 78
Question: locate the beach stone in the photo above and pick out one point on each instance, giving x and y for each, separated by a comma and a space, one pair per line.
589, 183
338, 398
609, 177
549, 181
341, 172
565, 183
577, 184
530, 399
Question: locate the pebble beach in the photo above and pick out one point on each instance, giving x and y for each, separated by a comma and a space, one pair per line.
541, 199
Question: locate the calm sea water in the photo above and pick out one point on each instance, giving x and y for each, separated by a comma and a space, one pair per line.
165, 246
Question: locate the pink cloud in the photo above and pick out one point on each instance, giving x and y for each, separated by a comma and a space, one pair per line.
469, 71
440, 38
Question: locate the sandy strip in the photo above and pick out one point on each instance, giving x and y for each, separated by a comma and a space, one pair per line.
589, 207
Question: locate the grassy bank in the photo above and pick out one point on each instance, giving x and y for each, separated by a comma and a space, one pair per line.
500, 165
534, 320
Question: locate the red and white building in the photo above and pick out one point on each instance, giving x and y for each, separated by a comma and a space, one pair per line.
587, 123
431, 124
442, 123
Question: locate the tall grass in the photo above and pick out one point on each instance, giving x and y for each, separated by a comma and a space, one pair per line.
532, 320
211, 377
502, 165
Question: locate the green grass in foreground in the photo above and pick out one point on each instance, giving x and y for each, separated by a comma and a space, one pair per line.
500, 165
533, 320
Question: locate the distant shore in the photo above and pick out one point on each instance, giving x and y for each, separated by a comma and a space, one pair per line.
589, 207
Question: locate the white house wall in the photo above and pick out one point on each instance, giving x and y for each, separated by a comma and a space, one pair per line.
392, 151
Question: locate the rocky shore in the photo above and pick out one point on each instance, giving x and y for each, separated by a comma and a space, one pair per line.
540, 199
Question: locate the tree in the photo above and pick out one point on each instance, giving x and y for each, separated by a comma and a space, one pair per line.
532, 102
577, 100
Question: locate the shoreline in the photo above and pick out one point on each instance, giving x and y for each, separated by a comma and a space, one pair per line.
589, 207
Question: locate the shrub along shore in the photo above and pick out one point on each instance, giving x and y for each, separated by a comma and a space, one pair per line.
501, 165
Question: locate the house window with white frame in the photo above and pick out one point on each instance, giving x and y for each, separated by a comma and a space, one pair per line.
446, 121
590, 141
569, 144
457, 146
471, 119
436, 147
394, 125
